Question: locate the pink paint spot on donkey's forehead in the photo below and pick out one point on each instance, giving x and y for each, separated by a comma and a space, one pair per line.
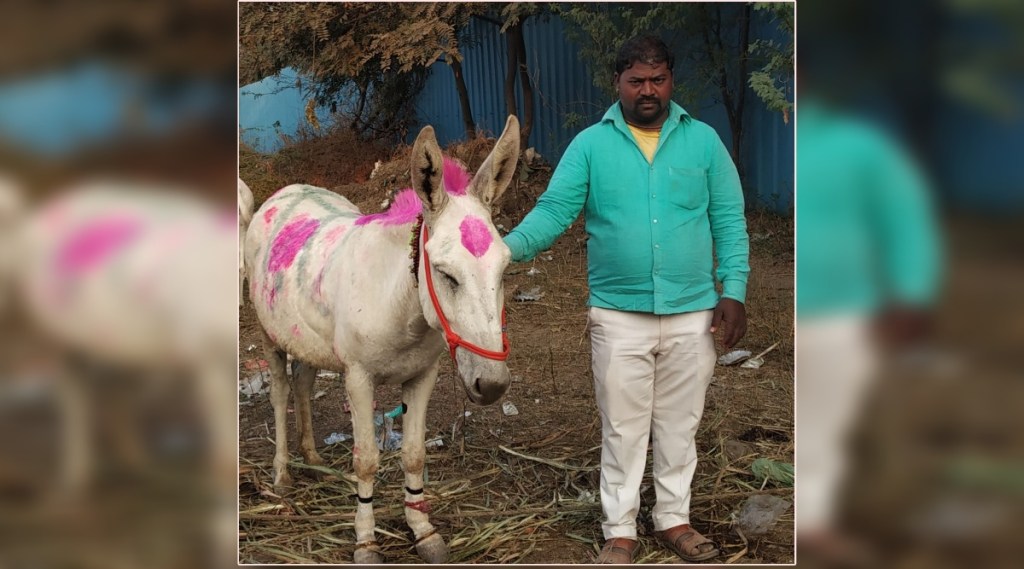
290, 241
476, 236
456, 178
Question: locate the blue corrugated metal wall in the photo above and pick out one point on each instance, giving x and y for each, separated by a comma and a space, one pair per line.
562, 86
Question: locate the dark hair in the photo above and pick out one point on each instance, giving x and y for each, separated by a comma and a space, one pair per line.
646, 49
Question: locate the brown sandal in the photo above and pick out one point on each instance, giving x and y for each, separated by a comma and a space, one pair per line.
617, 551
686, 542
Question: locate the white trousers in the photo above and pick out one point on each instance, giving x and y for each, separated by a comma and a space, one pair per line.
650, 377
836, 363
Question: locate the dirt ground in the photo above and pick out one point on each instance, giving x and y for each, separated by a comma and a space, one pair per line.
518, 488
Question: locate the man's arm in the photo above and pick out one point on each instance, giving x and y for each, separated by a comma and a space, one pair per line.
556, 208
729, 232
728, 222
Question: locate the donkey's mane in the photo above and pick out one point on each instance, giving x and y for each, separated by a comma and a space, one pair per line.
404, 210
456, 178
406, 206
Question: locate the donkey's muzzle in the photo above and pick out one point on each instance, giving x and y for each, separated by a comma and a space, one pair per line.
486, 388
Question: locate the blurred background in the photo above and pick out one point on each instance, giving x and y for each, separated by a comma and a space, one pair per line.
118, 283
910, 199
909, 202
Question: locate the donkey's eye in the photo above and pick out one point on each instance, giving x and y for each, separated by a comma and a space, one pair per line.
450, 280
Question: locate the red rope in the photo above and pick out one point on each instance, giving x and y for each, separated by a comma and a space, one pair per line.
421, 506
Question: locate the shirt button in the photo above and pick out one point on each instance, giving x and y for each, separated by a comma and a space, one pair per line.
656, 246
654, 195
655, 221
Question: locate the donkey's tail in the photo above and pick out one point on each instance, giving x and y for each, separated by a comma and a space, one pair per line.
246, 205
13, 213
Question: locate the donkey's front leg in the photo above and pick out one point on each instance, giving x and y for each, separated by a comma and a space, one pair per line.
415, 394
365, 460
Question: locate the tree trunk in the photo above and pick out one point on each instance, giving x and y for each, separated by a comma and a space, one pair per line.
357, 119
460, 86
510, 70
524, 81
741, 89
733, 104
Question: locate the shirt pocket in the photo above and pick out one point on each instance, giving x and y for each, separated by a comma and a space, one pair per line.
688, 187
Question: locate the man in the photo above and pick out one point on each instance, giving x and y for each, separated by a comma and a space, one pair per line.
658, 190
870, 256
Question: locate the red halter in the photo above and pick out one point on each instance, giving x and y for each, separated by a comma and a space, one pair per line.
453, 339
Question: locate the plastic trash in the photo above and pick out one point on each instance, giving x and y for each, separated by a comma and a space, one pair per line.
532, 271
436, 442
759, 513
254, 385
767, 470
528, 295
387, 437
327, 374
753, 363
758, 360
733, 357
509, 409
335, 438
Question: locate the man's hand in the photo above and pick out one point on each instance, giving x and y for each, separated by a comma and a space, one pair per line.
903, 326
731, 316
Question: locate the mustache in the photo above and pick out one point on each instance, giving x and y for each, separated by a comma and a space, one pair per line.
642, 101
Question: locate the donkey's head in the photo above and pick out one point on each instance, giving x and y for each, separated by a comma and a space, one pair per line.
466, 256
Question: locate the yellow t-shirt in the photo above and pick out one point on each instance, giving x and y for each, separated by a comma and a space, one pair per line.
647, 139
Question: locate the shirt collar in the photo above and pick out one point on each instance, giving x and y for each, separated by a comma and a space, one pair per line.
676, 114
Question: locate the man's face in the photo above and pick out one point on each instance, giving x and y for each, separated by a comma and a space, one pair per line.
644, 90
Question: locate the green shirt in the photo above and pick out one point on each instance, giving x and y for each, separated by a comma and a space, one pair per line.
866, 228
651, 225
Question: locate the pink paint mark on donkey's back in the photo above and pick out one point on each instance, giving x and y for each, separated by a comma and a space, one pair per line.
476, 237
405, 209
290, 241
91, 245
332, 236
268, 215
456, 178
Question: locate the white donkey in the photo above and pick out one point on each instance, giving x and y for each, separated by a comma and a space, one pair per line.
140, 279
377, 297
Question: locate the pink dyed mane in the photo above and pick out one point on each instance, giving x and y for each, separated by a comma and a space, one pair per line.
403, 210
456, 178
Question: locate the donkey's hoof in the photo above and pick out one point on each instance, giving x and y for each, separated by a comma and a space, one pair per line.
368, 556
432, 549
283, 483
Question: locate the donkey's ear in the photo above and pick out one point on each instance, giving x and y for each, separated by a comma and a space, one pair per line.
425, 169
496, 172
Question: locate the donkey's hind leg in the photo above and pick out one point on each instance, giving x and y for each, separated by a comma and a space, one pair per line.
279, 390
303, 376
415, 394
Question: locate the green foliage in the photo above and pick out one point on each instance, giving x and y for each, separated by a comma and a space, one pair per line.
701, 36
378, 52
773, 82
